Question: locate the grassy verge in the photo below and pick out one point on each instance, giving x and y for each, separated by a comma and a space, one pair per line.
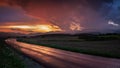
103, 48
8, 58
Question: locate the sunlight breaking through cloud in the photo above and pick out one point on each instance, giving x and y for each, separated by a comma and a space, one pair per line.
75, 26
32, 28
113, 23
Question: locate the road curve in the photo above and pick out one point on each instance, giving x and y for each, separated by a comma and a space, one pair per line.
55, 58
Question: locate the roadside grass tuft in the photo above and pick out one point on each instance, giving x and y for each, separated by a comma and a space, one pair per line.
8, 58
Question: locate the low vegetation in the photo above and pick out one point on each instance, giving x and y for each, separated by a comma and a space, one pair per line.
8, 58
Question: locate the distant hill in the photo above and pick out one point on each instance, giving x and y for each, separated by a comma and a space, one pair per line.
10, 34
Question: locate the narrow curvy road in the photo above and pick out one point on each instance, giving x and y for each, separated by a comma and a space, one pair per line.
55, 58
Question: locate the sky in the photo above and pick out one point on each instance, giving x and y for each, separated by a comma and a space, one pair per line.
66, 16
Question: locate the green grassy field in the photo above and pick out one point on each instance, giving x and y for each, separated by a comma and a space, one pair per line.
106, 48
8, 58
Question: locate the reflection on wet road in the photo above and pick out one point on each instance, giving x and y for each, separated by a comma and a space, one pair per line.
55, 58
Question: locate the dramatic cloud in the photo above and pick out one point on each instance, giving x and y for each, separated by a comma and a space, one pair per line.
10, 14
69, 15
32, 28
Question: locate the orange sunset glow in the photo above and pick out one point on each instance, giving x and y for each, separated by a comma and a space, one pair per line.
30, 28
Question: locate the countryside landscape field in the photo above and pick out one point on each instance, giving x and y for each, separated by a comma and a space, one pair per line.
106, 45
59, 33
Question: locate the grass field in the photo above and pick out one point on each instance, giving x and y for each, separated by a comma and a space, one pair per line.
106, 48
8, 58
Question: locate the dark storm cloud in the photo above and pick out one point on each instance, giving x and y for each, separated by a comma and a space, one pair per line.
93, 15
9, 14
93, 3
96, 4
114, 12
